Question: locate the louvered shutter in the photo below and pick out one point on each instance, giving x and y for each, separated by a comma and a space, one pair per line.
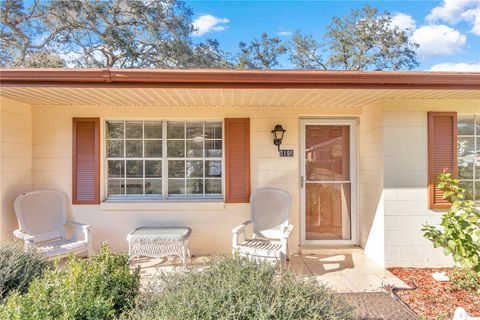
237, 160
86, 161
442, 153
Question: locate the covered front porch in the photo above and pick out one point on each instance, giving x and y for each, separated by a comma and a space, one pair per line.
37, 113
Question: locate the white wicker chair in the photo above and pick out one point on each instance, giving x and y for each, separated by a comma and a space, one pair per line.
41, 217
270, 209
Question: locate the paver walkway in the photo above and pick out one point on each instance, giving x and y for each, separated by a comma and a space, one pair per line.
344, 273
378, 305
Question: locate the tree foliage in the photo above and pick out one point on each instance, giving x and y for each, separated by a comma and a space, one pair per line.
119, 33
365, 41
305, 52
157, 34
24, 37
261, 54
459, 230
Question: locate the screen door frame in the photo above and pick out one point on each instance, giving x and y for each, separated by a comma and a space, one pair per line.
353, 124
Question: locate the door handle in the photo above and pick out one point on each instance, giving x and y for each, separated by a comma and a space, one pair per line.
301, 182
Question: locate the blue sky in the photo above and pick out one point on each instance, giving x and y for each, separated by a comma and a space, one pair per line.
448, 31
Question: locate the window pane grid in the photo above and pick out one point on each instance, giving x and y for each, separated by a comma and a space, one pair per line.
469, 156
133, 183
137, 166
192, 180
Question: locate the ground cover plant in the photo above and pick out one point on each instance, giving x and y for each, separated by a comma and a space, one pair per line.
102, 287
235, 288
18, 267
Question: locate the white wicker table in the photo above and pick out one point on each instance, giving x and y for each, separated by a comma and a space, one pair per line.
157, 242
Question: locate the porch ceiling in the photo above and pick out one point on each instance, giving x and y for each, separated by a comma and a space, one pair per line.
222, 97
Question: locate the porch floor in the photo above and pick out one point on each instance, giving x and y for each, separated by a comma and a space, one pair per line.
341, 272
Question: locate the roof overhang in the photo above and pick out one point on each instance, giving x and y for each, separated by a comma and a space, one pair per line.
255, 79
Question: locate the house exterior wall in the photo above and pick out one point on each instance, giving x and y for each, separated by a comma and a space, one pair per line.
15, 159
36, 152
211, 222
406, 180
371, 217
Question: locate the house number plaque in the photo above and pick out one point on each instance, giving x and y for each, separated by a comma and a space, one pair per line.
286, 153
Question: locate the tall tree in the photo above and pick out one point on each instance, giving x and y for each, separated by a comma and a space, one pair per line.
24, 38
261, 54
305, 52
365, 41
117, 33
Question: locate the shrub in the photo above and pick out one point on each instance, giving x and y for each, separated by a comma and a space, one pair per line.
462, 279
459, 231
18, 267
235, 288
100, 288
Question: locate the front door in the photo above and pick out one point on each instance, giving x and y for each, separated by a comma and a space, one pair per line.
328, 190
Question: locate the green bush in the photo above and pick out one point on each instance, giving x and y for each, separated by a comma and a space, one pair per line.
18, 267
98, 288
462, 279
235, 288
459, 231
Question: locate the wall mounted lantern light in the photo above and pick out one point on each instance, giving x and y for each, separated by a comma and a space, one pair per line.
278, 133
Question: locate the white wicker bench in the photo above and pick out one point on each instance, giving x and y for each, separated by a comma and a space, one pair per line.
157, 242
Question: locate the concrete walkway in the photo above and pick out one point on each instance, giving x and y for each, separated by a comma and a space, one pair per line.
343, 273
346, 272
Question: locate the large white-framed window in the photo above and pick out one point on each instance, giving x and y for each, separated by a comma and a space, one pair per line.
163, 159
468, 155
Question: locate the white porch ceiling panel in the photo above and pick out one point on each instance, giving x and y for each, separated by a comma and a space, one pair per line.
333, 98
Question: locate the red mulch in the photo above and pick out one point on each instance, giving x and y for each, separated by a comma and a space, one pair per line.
433, 299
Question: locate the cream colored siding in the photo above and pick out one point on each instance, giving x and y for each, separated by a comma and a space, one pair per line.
211, 224
15, 159
406, 179
371, 219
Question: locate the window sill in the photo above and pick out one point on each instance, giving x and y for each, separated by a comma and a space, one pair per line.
138, 205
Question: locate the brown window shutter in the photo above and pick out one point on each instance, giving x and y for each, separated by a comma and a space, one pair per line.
86, 161
442, 153
237, 160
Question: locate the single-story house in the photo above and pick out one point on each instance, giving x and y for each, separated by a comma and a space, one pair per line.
136, 148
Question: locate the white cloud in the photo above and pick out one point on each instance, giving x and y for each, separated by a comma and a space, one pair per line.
462, 67
454, 11
438, 40
285, 33
403, 21
209, 23
449, 10
473, 16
